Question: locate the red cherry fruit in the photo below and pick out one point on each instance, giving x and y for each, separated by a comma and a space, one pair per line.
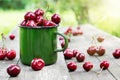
13, 70
100, 38
39, 12
37, 64
87, 66
68, 54
3, 53
56, 18
61, 38
75, 52
39, 20
101, 51
49, 23
30, 16
68, 31
30, 23
72, 66
78, 27
23, 23
104, 65
91, 50
80, 57
116, 53
12, 36
11, 54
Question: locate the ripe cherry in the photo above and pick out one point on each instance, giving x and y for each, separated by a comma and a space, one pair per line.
13, 70
23, 23
11, 54
12, 36
80, 57
87, 66
37, 64
56, 18
39, 20
72, 66
101, 51
30, 16
62, 43
30, 23
39, 12
68, 54
116, 53
91, 50
75, 52
49, 23
3, 52
104, 65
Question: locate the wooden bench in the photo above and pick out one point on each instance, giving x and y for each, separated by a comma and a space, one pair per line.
59, 71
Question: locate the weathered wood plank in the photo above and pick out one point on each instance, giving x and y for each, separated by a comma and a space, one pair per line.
83, 42
57, 71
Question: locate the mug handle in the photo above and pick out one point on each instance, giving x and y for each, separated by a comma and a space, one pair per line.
66, 42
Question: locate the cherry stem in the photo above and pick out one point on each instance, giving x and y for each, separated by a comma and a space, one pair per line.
17, 61
46, 11
98, 73
94, 42
3, 40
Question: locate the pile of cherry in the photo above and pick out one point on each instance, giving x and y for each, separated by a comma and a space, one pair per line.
39, 19
31, 19
92, 50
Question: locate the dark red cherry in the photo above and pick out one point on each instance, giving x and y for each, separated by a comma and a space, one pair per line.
39, 20
37, 64
30, 23
11, 54
80, 57
39, 12
104, 65
62, 43
87, 66
56, 18
13, 70
12, 36
30, 16
68, 54
3, 52
75, 52
116, 53
72, 66
49, 23
23, 23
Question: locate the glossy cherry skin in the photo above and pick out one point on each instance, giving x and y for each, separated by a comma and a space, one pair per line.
39, 20
3, 52
37, 64
39, 12
30, 23
116, 53
11, 54
23, 23
56, 18
100, 38
68, 54
104, 65
49, 23
72, 66
91, 50
12, 36
30, 16
87, 66
13, 70
101, 51
80, 57
75, 52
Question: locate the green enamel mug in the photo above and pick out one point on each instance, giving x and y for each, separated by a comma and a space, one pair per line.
39, 42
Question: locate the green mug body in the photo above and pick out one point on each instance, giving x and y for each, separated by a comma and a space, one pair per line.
39, 43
